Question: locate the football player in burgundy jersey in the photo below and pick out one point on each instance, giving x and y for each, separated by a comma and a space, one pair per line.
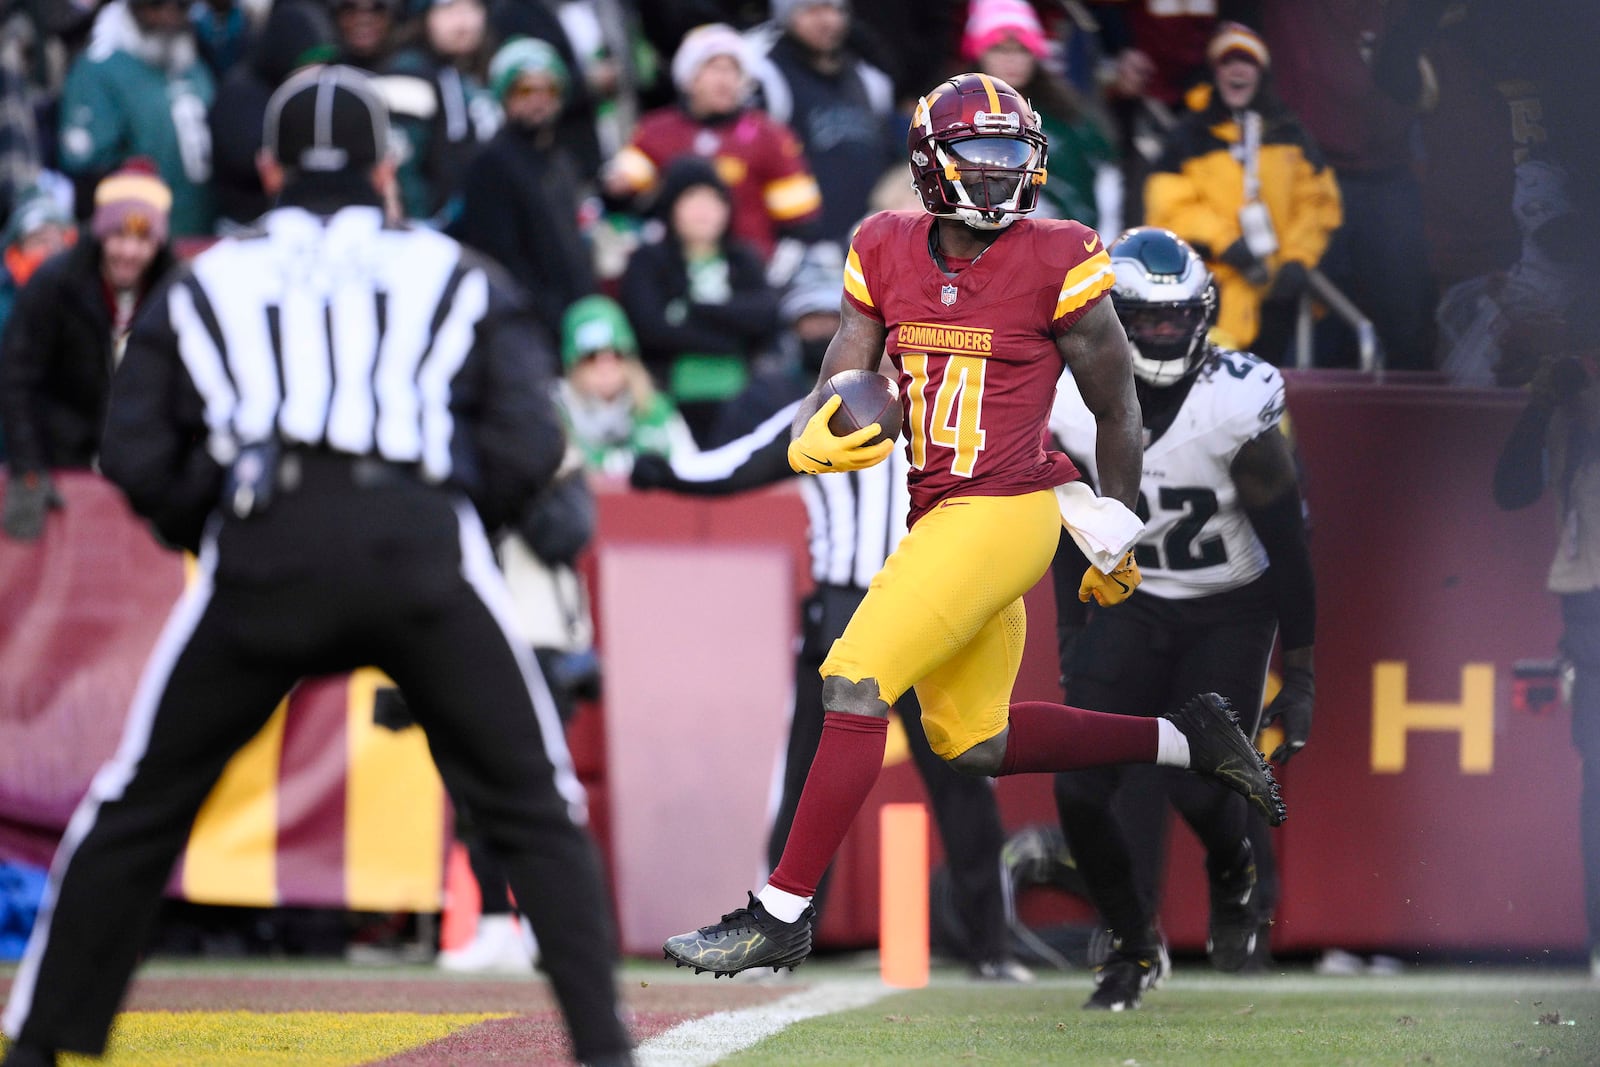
980, 310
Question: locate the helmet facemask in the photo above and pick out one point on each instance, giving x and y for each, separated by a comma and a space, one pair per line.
977, 152
1166, 300
990, 182
1168, 339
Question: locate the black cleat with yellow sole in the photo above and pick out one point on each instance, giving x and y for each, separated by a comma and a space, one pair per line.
745, 939
1120, 982
1219, 748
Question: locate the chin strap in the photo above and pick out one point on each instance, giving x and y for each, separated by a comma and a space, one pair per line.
973, 217
1154, 371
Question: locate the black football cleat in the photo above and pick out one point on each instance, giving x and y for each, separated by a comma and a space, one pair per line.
745, 939
1235, 924
1120, 982
1218, 747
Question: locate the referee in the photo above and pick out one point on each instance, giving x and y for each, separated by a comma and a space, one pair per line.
329, 410
856, 519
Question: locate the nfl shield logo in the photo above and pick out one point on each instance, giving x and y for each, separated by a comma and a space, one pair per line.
947, 295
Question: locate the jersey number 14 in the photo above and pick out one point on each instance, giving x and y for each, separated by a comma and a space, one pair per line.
953, 418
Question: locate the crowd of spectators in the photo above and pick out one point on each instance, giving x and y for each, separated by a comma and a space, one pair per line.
696, 160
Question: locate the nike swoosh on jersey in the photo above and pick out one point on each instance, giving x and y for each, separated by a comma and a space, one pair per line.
1088, 246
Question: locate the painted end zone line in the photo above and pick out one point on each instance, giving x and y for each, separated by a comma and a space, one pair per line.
704, 1041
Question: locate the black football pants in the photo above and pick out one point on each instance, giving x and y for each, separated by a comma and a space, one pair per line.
331, 578
964, 807
1147, 656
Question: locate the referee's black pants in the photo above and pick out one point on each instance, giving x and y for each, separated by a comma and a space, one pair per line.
333, 576
1147, 656
964, 806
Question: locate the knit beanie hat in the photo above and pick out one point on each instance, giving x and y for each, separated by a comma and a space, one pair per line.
593, 324
817, 285
133, 199
682, 174
989, 22
36, 208
524, 55
1235, 40
702, 44
783, 10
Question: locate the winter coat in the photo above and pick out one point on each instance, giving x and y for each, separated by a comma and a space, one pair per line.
237, 118
759, 159
56, 359
1078, 146
846, 121
1197, 189
441, 119
676, 332
575, 127
519, 206
116, 104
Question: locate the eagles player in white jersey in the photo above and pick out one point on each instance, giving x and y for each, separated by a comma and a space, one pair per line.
1226, 571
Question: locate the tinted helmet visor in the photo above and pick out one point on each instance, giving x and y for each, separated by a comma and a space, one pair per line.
1002, 152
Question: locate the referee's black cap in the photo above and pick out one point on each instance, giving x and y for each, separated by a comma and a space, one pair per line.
327, 119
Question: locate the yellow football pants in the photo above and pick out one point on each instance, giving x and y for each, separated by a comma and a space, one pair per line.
945, 615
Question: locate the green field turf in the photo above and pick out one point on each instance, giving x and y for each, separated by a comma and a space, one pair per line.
1203, 1021
255, 1014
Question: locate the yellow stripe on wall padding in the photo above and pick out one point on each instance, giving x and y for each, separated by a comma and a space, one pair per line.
232, 856
394, 810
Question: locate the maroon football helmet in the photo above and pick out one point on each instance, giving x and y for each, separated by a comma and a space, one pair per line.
977, 152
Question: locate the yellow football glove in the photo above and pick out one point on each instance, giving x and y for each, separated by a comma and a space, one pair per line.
818, 451
1113, 588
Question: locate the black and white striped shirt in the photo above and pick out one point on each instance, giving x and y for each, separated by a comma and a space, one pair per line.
341, 333
856, 517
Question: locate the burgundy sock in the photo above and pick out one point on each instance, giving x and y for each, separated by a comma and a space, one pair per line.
846, 767
1055, 737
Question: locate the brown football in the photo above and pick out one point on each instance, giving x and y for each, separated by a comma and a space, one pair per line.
865, 397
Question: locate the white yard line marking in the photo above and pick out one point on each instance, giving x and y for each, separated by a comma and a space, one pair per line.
703, 1041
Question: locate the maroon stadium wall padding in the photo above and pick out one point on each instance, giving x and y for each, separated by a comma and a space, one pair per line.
1427, 814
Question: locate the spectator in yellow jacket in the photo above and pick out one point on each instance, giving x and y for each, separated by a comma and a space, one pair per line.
1242, 181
